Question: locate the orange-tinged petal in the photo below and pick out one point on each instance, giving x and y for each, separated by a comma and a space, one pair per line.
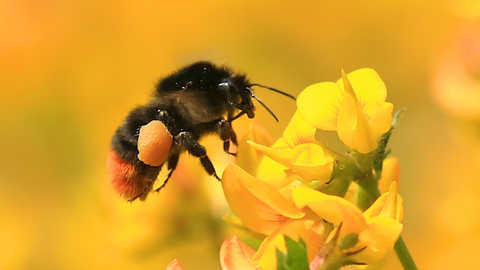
379, 239
248, 158
353, 129
367, 84
260, 206
456, 89
319, 104
174, 265
308, 160
331, 208
235, 255
298, 132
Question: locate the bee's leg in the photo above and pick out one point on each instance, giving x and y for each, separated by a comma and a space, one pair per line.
233, 135
240, 114
226, 135
208, 166
195, 149
172, 165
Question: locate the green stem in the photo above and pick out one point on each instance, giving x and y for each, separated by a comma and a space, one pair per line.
404, 256
368, 193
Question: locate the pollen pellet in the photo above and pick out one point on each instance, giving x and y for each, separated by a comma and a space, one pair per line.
154, 142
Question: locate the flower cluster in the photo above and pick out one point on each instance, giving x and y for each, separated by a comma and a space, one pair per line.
320, 184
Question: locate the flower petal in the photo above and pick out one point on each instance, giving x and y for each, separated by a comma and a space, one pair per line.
298, 131
260, 206
379, 117
265, 258
319, 104
273, 172
248, 158
367, 84
379, 240
389, 204
353, 128
308, 160
174, 265
235, 255
390, 174
393, 208
383, 230
331, 208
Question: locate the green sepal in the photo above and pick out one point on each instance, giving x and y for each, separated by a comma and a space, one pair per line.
349, 241
296, 256
382, 151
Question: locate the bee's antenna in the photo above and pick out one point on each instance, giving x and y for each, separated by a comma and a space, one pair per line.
263, 104
272, 89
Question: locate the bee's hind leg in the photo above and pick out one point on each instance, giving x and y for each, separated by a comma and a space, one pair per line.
172, 165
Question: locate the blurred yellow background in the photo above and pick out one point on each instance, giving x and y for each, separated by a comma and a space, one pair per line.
71, 71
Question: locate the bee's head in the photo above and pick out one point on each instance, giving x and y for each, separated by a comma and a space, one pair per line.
246, 104
239, 94
242, 95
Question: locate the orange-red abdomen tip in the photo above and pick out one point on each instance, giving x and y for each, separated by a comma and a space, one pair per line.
154, 142
126, 177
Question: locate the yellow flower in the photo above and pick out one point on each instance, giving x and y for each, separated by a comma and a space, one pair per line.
384, 227
374, 232
307, 214
354, 106
274, 189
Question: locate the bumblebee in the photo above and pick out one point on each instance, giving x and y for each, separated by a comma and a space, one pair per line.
198, 100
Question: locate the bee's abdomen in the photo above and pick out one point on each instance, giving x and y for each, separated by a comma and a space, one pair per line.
130, 180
